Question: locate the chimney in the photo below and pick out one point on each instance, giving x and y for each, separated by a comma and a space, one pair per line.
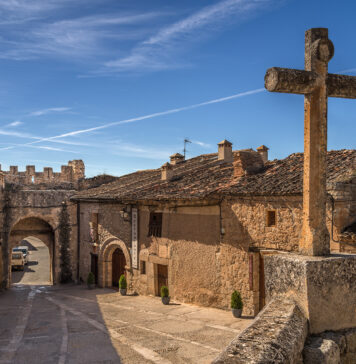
225, 151
263, 152
176, 158
166, 172
247, 162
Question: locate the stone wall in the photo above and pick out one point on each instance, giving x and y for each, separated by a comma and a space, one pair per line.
19, 205
277, 335
74, 171
324, 287
331, 347
221, 243
110, 224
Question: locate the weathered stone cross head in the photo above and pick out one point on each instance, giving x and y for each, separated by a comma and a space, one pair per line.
316, 84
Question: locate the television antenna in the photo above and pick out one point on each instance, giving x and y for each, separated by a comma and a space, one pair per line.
186, 141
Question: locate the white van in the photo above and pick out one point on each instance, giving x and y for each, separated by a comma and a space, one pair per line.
24, 250
17, 260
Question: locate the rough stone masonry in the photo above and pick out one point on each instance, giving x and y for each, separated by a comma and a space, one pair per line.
321, 285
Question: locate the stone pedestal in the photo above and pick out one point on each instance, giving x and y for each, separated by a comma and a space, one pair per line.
323, 287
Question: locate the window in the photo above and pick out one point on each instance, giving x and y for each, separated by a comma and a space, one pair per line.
271, 218
155, 226
142, 267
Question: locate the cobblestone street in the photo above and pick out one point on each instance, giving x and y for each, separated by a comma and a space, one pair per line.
70, 324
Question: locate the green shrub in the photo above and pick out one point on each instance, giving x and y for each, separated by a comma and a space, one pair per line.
164, 291
122, 282
91, 278
236, 300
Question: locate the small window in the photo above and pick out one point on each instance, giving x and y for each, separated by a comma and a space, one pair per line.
143, 267
271, 218
155, 226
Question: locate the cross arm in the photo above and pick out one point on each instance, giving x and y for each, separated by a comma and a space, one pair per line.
302, 82
341, 86
291, 81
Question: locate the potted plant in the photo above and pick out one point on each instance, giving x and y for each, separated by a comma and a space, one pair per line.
91, 280
122, 285
165, 295
236, 304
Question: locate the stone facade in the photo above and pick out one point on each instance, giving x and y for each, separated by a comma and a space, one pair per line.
30, 205
222, 243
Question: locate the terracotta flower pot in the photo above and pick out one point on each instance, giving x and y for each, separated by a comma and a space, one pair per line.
165, 300
91, 285
123, 291
236, 312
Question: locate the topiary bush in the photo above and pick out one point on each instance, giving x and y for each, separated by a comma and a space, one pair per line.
164, 291
122, 282
236, 300
91, 278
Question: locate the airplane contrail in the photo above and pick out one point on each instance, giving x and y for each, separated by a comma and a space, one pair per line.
149, 116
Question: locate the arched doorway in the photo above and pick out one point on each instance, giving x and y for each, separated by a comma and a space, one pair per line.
38, 236
118, 266
113, 256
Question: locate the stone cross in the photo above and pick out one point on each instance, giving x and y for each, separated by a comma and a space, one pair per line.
316, 84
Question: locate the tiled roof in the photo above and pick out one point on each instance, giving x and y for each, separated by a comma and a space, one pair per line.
205, 176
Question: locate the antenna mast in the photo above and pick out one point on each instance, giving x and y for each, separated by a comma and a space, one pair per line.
186, 140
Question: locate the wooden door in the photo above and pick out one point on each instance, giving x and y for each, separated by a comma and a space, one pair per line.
118, 266
94, 266
162, 277
262, 284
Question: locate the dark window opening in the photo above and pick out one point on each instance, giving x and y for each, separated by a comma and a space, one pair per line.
271, 218
143, 267
155, 226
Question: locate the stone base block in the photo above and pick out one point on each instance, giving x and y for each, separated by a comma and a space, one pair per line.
323, 287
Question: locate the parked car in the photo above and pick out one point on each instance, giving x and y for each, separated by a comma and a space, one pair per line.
24, 250
17, 260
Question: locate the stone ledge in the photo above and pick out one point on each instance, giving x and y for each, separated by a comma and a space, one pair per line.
323, 287
331, 347
277, 335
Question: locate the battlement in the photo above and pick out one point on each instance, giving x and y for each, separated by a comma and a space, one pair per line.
72, 173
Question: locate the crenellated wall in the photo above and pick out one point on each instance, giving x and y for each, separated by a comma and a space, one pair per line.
72, 172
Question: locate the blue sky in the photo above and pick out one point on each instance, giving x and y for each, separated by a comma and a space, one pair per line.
120, 84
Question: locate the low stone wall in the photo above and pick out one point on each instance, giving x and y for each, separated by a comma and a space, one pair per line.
277, 335
331, 347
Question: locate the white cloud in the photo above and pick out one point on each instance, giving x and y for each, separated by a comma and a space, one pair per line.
35, 28
49, 111
202, 144
130, 150
15, 123
156, 51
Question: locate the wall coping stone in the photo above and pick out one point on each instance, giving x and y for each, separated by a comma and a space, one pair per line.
323, 287
277, 335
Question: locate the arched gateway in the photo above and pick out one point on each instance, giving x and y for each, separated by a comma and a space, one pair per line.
114, 260
33, 227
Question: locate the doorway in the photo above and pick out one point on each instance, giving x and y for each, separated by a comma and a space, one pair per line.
162, 277
118, 266
94, 266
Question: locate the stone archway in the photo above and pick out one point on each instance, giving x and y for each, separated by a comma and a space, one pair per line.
105, 260
36, 227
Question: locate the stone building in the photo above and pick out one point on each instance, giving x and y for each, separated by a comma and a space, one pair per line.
37, 204
203, 226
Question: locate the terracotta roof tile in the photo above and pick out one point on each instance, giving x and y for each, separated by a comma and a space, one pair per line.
205, 176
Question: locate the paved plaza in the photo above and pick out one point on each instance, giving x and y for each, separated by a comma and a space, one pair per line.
71, 324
